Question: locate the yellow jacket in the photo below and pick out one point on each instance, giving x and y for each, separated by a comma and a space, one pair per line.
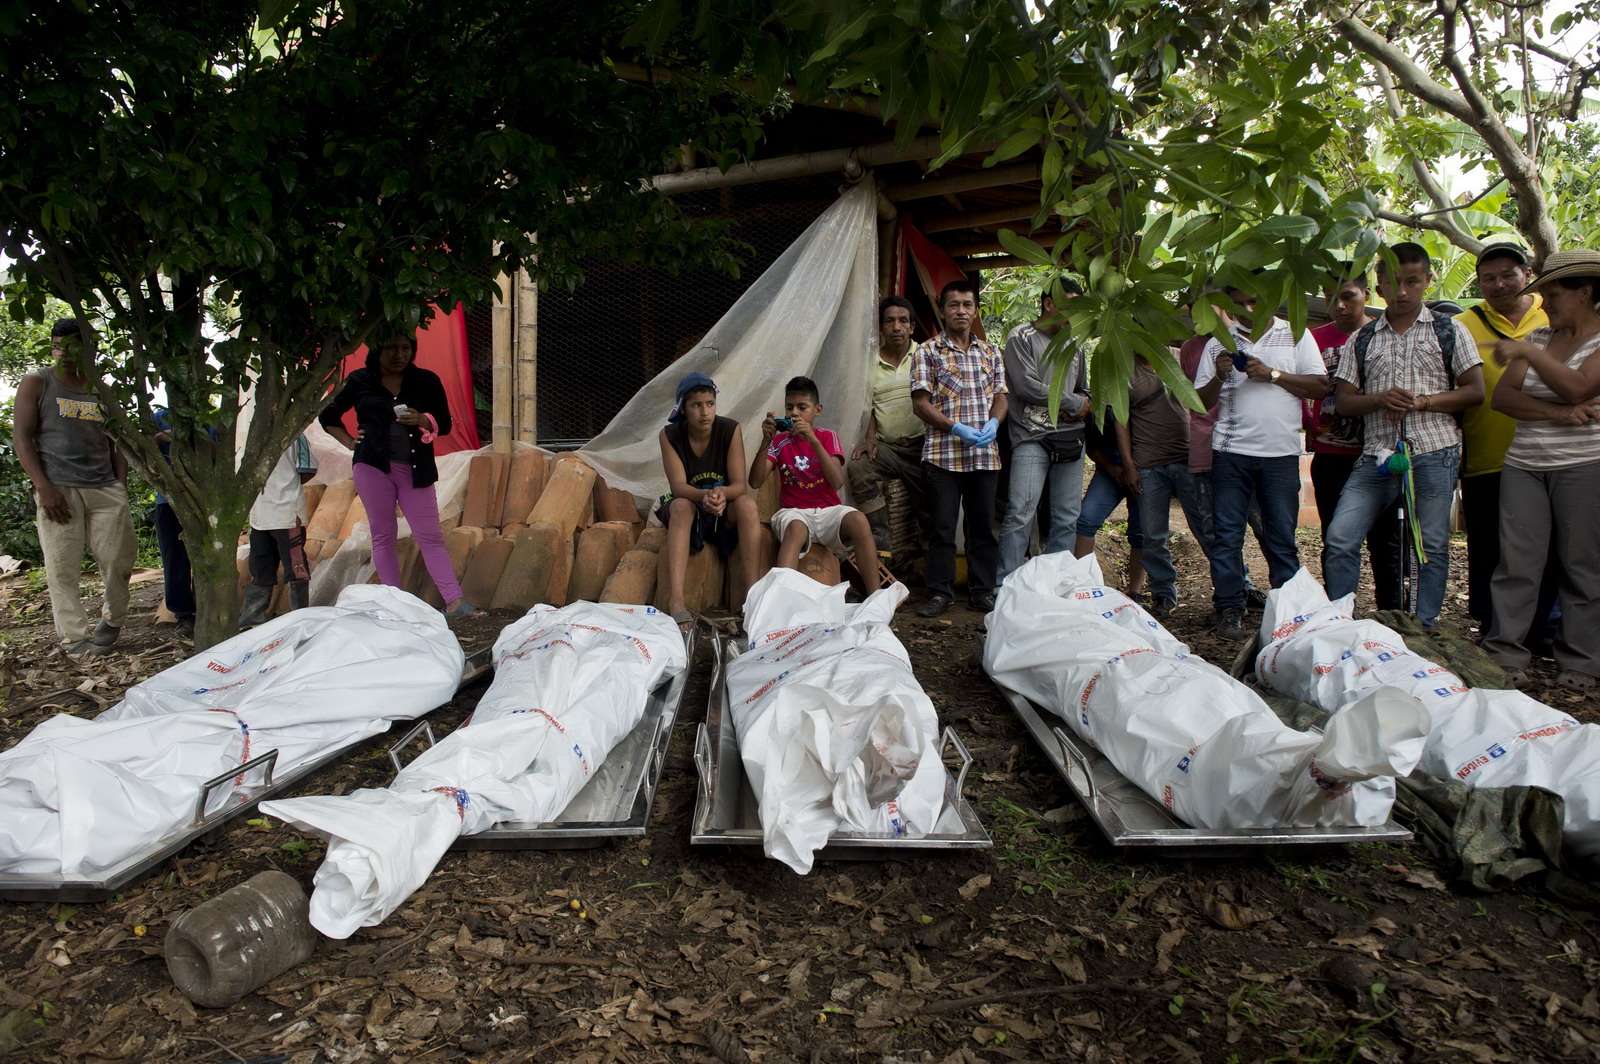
1486, 432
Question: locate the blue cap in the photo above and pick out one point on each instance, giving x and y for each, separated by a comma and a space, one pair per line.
691, 382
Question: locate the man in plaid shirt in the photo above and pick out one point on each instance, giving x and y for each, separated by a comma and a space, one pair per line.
958, 389
1403, 389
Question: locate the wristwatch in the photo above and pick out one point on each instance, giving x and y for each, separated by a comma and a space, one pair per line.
1272, 378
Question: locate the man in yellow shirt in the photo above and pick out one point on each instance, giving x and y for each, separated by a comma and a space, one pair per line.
891, 447
1505, 313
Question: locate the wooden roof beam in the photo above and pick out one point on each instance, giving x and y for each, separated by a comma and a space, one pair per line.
944, 223
964, 182
994, 247
803, 165
992, 262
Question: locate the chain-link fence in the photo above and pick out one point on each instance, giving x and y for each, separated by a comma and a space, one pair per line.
626, 322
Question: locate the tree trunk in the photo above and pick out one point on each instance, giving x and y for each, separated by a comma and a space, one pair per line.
213, 557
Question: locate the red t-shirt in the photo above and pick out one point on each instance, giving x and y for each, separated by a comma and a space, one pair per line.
802, 485
1328, 432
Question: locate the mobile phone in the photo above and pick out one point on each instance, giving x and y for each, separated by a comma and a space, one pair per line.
1240, 362
784, 424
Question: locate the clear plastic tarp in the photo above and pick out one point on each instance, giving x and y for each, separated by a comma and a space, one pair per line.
813, 312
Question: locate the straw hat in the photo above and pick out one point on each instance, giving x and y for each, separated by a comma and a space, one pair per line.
1565, 264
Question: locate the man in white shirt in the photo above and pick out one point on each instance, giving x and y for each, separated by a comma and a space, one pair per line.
1255, 447
278, 535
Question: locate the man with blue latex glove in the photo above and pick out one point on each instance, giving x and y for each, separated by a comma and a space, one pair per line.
959, 380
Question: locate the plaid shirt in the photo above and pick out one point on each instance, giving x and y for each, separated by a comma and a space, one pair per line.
1414, 361
963, 385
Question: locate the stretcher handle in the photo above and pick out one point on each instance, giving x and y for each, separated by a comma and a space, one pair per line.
702, 761
950, 738
1070, 750
658, 753
424, 729
269, 759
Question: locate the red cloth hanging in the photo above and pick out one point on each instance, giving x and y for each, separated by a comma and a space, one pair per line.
442, 348
934, 269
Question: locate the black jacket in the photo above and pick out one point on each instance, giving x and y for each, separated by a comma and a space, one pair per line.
363, 391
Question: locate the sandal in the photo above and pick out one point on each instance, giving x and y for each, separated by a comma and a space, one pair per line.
1573, 680
465, 608
1519, 679
684, 620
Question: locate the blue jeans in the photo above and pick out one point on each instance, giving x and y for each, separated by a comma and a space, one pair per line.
1161, 484
1030, 468
1202, 486
1367, 493
1102, 497
1236, 480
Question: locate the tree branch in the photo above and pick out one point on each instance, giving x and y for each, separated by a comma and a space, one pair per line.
1438, 223
1469, 105
1537, 48
1442, 223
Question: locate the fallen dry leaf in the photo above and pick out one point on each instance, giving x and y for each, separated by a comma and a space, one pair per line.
973, 886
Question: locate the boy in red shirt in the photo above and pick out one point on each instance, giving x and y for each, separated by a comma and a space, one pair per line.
810, 462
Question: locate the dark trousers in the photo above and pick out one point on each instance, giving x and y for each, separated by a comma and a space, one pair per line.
270, 547
1236, 481
948, 495
1480, 512
177, 582
1328, 474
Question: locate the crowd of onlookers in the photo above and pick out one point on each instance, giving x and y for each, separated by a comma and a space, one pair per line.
1396, 408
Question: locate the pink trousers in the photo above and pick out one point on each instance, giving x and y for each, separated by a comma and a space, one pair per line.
379, 492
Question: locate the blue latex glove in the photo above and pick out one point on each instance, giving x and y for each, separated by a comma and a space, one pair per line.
987, 433
965, 433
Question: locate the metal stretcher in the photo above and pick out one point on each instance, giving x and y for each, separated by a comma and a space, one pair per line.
98, 886
614, 804
1128, 817
726, 812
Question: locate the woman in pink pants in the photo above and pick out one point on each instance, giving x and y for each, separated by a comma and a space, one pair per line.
399, 410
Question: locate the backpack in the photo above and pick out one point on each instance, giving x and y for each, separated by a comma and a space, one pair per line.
1444, 329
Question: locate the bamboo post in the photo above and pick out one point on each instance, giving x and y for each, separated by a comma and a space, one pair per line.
527, 359
504, 323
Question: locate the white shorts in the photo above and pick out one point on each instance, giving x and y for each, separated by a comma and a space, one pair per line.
823, 525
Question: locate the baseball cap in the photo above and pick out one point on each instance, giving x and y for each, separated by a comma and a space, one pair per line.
1504, 249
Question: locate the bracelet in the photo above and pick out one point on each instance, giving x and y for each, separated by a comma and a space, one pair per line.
1428, 399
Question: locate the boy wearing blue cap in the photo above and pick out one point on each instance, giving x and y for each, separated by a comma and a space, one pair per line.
708, 499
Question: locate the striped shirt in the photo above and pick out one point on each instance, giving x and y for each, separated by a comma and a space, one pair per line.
1414, 361
1542, 445
963, 385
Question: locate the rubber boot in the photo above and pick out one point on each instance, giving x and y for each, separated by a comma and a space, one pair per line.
299, 594
256, 601
878, 521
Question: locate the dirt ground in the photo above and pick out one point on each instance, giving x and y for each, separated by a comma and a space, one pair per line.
1048, 947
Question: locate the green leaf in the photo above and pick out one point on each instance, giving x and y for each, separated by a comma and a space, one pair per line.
273, 12
1014, 145
1287, 227
1024, 248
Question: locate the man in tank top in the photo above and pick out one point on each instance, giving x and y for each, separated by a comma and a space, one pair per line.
80, 490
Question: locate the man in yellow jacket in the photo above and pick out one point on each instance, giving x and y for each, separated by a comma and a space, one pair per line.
1505, 313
